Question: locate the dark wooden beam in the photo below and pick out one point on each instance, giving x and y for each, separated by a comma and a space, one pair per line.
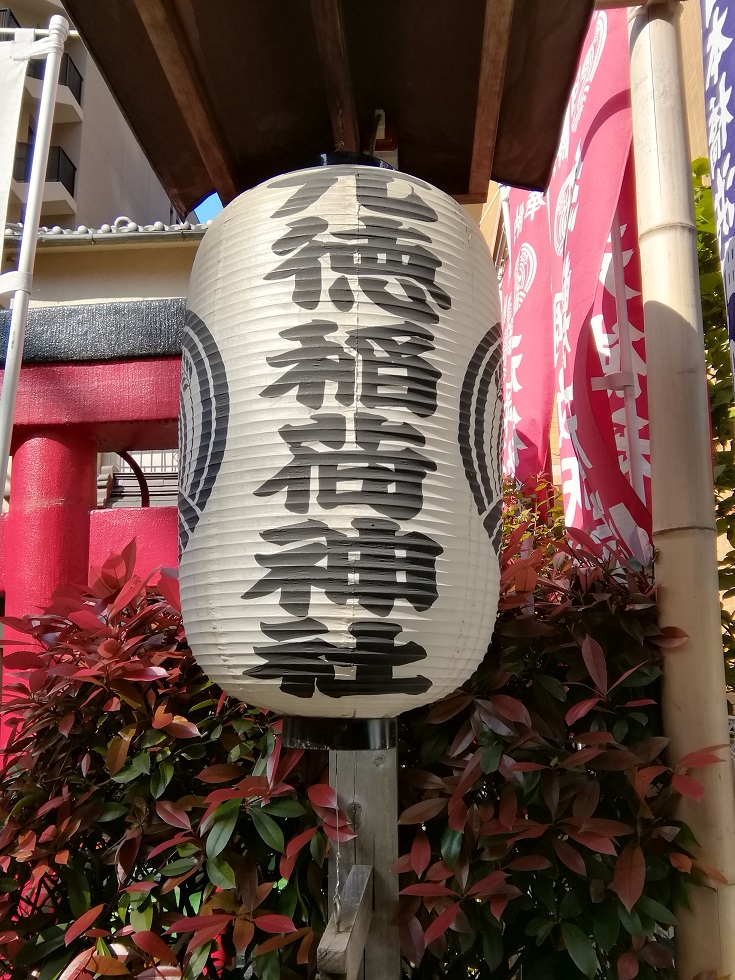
330, 39
164, 28
495, 36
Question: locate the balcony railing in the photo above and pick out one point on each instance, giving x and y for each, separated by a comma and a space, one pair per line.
60, 168
69, 75
7, 19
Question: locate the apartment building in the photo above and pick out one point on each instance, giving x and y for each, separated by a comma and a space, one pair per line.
96, 171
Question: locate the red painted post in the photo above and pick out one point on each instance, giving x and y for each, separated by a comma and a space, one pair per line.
53, 489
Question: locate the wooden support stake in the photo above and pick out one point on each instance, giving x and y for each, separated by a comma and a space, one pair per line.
342, 946
366, 783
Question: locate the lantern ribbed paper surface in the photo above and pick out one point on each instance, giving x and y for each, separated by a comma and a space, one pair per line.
340, 424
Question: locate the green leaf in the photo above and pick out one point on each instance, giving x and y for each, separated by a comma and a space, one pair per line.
197, 962
580, 949
220, 873
41, 946
316, 849
451, 846
552, 685
284, 808
113, 811
141, 918
225, 819
8, 885
606, 926
491, 758
492, 948
78, 889
179, 867
161, 777
656, 911
268, 829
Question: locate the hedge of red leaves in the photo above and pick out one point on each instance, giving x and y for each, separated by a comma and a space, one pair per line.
154, 828
538, 834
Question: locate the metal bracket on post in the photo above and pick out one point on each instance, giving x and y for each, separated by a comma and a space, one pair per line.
340, 952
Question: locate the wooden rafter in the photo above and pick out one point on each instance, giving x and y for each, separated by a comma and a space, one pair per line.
330, 37
172, 48
496, 32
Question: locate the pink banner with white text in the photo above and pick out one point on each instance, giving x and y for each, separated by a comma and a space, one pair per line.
588, 318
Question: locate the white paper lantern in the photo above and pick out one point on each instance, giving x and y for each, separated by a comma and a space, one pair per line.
340, 429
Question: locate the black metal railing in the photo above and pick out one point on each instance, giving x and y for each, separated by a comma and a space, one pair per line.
60, 168
7, 19
69, 75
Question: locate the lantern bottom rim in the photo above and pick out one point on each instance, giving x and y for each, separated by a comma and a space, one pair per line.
343, 734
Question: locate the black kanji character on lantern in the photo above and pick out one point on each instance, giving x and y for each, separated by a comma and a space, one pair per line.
371, 192
390, 481
394, 370
380, 254
375, 568
314, 364
362, 667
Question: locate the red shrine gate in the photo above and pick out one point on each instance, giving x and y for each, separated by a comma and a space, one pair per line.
67, 412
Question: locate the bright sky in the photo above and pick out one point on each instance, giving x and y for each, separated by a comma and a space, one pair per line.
209, 208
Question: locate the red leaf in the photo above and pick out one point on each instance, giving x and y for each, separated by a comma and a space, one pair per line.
448, 708
307, 942
627, 966
222, 773
670, 638
682, 862
140, 886
297, 842
78, 964
687, 786
428, 890
457, 814
530, 863
173, 815
169, 589
580, 758
117, 753
511, 709
322, 795
420, 853
149, 942
23, 660
242, 934
441, 923
82, 924
275, 923
181, 728
630, 873
701, 758
594, 659
644, 777
569, 856
66, 724
412, 941
206, 934
107, 966
423, 811
276, 942
579, 710
490, 885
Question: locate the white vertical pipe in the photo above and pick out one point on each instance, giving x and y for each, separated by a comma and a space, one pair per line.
684, 531
632, 435
57, 35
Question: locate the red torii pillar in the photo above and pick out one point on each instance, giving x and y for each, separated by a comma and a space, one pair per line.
65, 415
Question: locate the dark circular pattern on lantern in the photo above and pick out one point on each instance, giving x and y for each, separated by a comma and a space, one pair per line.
340, 433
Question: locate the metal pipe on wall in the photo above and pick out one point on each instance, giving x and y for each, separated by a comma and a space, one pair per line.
684, 531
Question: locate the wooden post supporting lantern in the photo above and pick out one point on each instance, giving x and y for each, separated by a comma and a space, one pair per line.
684, 531
340, 505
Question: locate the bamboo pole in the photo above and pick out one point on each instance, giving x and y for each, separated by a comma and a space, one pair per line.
684, 531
